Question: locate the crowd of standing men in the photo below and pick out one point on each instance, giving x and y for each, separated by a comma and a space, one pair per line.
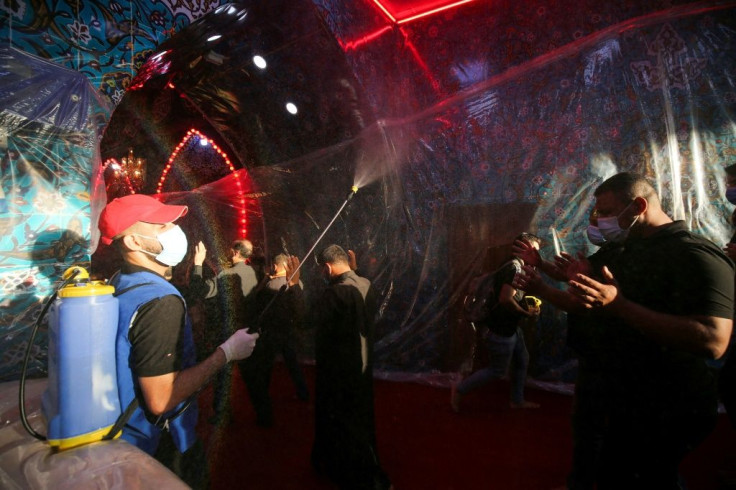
648, 311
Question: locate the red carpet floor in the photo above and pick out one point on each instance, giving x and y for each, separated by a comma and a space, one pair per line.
421, 442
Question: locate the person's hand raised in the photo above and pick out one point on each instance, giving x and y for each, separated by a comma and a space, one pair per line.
292, 270
526, 252
569, 266
352, 261
596, 294
528, 280
200, 252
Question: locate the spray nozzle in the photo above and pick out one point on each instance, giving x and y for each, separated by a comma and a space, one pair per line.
353, 191
76, 274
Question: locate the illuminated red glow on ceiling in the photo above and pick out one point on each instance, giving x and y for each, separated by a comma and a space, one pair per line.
353, 45
350, 45
403, 11
427, 72
192, 134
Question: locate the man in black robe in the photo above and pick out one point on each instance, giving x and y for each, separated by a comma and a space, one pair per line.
345, 442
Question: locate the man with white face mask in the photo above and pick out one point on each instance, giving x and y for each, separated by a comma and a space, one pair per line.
584, 338
588, 419
665, 303
154, 346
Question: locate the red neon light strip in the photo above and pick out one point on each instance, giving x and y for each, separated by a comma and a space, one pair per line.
192, 133
431, 12
427, 72
396, 17
385, 11
363, 40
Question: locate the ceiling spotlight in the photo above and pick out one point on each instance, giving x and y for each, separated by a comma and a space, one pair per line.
259, 61
291, 108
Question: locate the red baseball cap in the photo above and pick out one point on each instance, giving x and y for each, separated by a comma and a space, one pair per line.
123, 212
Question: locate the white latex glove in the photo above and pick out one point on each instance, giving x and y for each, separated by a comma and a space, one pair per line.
239, 346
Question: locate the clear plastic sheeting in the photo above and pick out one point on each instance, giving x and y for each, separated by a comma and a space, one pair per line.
50, 121
465, 129
506, 118
461, 129
29, 464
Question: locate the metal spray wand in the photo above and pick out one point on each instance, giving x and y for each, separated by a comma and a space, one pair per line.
351, 194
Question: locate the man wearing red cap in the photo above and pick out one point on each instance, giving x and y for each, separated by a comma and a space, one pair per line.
154, 347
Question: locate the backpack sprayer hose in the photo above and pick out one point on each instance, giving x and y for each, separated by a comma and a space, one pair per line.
70, 275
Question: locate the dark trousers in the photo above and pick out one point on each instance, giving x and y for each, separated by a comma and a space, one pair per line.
644, 451
344, 450
588, 427
257, 369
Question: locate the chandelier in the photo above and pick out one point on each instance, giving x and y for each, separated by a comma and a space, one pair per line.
134, 170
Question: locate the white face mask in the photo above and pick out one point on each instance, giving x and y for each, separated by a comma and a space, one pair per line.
173, 246
610, 229
595, 236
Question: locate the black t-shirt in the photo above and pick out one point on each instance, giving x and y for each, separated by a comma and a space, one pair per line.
677, 272
503, 321
584, 329
155, 334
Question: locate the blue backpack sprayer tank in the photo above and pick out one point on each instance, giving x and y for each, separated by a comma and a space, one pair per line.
81, 403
